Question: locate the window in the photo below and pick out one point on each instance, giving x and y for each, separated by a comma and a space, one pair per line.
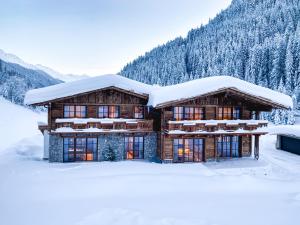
188, 113
178, 150
188, 150
109, 111
198, 150
72, 111
80, 149
235, 146
139, 112
114, 111
199, 113
69, 149
103, 112
236, 113
178, 113
228, 146
228, 113
134, 147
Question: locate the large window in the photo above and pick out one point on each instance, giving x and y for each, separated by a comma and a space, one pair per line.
111, 111
188, 113
188, 150
80, 149
134, 147
74, 111
228, 113
139, 112
228, 146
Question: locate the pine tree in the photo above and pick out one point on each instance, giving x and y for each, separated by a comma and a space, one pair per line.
109, 154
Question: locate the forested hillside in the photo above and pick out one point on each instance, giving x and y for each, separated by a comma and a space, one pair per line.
15, 80
255, 40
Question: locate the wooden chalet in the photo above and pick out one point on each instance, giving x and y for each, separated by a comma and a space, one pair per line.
182, 123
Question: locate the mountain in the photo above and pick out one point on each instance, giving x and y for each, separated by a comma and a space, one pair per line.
10, 58
255, 40
15, 80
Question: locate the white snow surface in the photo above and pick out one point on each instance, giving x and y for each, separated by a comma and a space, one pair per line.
157, 95
17, 122
231, 192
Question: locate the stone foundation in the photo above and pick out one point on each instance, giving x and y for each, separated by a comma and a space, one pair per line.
115, 141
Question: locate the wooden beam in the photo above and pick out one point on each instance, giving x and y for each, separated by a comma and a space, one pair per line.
256, 147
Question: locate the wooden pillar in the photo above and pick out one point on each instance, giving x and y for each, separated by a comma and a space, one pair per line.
256, 146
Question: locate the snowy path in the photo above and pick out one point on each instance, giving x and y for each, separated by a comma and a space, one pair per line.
231, 192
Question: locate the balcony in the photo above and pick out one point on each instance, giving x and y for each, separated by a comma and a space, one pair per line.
102, 125
216, 126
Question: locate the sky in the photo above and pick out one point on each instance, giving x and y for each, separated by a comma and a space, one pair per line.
96, 37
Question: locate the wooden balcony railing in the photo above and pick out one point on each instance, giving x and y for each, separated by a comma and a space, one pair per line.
107, 124
214, 125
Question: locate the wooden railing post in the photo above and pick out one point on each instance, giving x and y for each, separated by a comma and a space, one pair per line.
256, 147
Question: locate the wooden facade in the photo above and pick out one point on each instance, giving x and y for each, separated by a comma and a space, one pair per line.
210, 136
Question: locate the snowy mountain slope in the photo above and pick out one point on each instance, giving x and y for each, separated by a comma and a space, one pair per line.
10, 58
17, 122
255, 40
15, 80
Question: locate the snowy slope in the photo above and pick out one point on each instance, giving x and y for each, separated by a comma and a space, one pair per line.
7, 57
16, 123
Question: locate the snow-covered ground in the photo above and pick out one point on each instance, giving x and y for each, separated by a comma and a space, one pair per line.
233, 192
16, 123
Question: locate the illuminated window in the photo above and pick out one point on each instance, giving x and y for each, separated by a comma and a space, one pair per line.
134, 147
226, 113
139, 112
71, 111
228, 146
199, 113
109, 111
178, 113
80, 149
188, 150
114, 111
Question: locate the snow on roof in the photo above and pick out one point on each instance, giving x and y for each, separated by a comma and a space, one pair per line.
206, 85
290, 130
86, 85
157, 95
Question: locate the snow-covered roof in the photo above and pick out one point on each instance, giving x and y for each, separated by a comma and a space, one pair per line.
158, 96
208, 85
62, 90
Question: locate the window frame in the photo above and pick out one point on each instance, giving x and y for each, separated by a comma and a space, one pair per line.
134, 147
196, 148
75, 111
228, 146
84, 154
188, 113
109, 111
